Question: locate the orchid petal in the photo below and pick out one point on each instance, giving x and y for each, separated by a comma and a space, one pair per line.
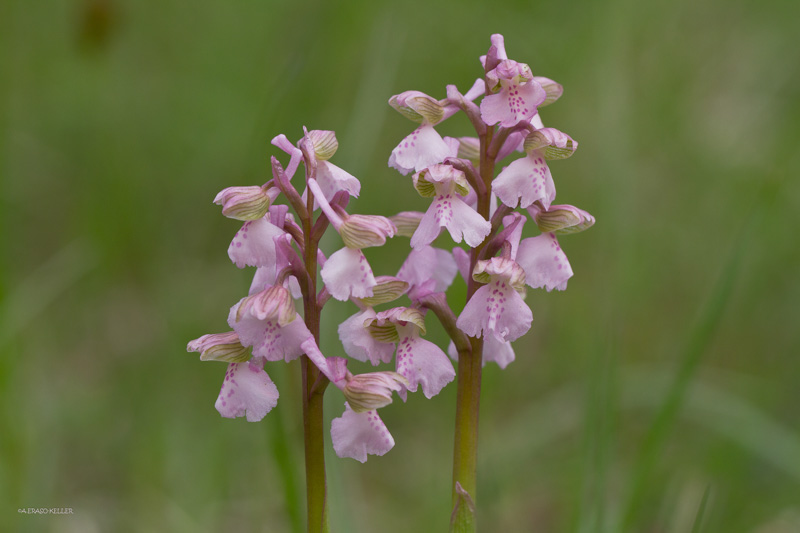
419, 150
356, 435
253, 244
545, 264
525, 180
422, 363
246, 391
360, 344
347, 273
498, 309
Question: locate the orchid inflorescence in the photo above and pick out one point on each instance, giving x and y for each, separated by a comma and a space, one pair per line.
468, 200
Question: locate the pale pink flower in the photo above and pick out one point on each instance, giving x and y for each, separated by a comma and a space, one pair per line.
429, 263
494, 351
420, 361
253, 244
268, 322
446, 185
246, 391
545, 264
424, 146
357, 435
359, 343
525, 181
347, 273
497, 308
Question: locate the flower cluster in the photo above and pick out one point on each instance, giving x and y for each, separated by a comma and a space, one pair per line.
265, 325
458, 174
467, 199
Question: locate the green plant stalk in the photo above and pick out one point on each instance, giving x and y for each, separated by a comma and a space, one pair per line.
470, 365
314, 386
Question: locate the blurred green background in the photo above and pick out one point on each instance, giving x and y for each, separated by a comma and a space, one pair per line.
665, 377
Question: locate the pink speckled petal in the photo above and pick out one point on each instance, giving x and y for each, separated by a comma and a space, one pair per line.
525, 180
332, 179
347, 273
468, 223
422, 363
246, 391
359, 344
544, 262
253, 244
357, 435
449, 211
282, 343
268, 339
496, 309
424, 147
429, 263
514, 103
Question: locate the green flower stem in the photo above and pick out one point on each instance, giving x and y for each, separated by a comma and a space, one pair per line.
470, 364
314, 385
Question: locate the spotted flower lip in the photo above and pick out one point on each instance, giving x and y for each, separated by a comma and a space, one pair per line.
246, 391
525, 181
420, 149
357, 435
515, 97
448, 210
544, 262
497, 308
347, 274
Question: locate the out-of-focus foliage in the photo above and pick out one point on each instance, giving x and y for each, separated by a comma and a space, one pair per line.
119, 121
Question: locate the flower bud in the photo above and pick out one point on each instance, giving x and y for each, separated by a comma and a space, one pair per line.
550, 142
220, 347
244, 203
273, 304
561, 219
508, 70
324, 142
552, 89
363, 231
418, 107
367, 392
383, 327
500, 267
424, 180
469, 148
388, 289
407, 222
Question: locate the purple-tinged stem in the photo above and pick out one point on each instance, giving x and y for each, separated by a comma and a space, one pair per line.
465, 451
313, 388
